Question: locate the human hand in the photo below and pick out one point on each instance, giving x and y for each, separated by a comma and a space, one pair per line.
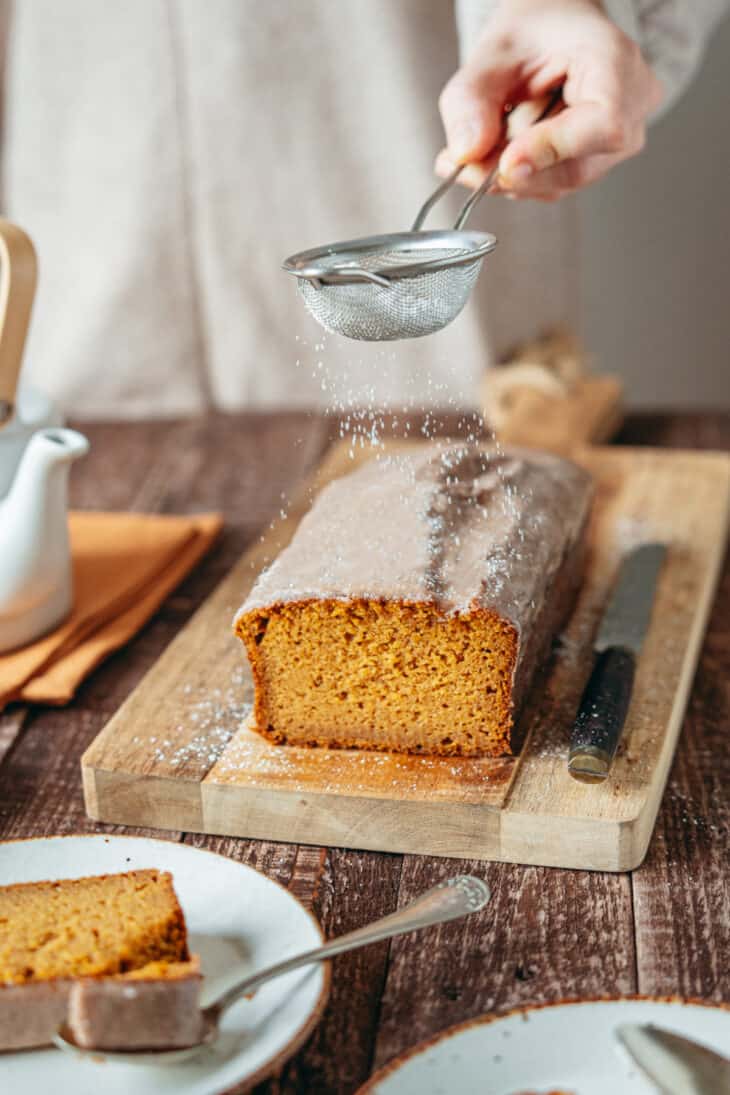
529, 48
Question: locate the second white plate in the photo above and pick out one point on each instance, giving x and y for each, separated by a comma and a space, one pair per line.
565, 1047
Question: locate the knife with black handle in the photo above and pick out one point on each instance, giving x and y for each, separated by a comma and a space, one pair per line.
605, 702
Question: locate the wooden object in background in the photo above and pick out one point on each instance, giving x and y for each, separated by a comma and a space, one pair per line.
178, 754
18, 279
546, 397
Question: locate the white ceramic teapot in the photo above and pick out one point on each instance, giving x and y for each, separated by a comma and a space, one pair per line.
35, 455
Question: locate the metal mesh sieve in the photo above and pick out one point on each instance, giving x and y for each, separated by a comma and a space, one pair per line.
402, 285
407, 307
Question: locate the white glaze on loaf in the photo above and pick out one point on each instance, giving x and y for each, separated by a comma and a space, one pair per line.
462, 526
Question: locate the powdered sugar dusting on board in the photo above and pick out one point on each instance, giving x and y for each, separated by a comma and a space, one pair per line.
212, 717
333, 771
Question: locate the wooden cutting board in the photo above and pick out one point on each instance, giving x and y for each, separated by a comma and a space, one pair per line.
179, 755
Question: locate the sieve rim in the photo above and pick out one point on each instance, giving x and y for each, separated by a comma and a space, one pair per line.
309, 265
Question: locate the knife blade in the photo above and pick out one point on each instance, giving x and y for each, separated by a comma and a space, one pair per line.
677, 1065
605, 701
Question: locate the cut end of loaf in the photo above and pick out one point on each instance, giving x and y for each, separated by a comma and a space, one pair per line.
381, 675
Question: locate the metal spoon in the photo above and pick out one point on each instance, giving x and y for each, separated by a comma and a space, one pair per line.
448, 901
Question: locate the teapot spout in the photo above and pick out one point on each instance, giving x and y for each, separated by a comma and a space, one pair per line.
47, 450
66, 445
36, 501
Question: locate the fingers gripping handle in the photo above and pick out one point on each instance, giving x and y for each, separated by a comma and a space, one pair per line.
549, 105
18, 276
541, 109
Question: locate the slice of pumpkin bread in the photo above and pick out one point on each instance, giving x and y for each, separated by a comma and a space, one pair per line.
54, 932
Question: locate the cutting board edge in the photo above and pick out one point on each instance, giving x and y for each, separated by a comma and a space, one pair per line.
584, 844
121, 798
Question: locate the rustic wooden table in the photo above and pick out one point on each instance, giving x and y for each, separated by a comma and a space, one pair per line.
547, 934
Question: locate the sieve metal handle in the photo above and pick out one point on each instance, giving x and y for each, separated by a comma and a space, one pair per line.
433, 198
478, 194
474, 198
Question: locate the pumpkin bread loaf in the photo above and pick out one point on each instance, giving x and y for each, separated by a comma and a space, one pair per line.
416, 600
52, 933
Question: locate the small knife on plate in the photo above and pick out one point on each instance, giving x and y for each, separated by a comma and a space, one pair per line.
677, 1065
605, 702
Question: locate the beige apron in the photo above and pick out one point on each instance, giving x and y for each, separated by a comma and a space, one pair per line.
166, 155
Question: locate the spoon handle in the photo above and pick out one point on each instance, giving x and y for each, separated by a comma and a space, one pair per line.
448, 901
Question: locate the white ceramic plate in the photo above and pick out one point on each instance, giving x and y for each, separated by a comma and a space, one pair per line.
570, 1047
238, 921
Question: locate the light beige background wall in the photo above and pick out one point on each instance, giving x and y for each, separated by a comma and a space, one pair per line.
656, 253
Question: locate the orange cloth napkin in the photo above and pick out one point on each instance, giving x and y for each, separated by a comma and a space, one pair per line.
124, 564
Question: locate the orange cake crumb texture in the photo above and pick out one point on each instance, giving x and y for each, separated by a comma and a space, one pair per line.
107, 924
385, 671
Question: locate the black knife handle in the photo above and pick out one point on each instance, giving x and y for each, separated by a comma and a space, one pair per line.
601, 716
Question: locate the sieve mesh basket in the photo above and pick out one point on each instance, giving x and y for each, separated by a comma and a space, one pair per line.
401, 285
408, 307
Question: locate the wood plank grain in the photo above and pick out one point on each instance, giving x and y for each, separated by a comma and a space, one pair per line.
544, 936
114, 474
11, 724
250, 760
677, 430
40, 782
351, 890
681, 895
682, 892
